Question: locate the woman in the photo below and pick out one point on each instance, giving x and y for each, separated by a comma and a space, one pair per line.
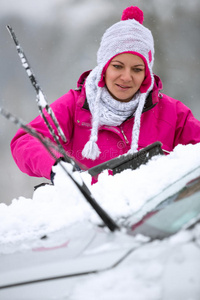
118, 107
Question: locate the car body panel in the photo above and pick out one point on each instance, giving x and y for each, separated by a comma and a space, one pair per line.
80, 249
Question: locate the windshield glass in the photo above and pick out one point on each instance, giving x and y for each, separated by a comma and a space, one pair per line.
172, 214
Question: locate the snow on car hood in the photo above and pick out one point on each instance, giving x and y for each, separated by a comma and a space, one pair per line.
54, 207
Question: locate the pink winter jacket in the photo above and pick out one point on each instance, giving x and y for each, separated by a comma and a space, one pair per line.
163, 119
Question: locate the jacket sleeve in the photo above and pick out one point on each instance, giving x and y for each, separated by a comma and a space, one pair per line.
29, 154
187, 127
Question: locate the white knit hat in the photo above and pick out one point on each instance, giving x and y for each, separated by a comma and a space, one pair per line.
128, 35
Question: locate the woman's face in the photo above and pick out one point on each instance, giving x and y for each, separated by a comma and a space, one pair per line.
124, 76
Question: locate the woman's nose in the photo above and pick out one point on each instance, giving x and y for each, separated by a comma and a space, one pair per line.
126, 75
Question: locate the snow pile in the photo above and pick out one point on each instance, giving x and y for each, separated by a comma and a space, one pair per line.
167, 269
54, 207
125, 193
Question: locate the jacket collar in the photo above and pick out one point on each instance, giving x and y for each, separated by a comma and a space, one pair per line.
148, 104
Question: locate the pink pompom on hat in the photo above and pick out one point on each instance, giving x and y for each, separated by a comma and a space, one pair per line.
133, 12
126, 36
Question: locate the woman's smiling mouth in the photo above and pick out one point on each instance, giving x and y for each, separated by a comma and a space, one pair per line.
123, 87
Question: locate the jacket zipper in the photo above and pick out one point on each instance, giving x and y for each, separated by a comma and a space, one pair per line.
126, 140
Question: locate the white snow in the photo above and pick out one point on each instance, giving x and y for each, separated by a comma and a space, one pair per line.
54, 207
159, 270
167, 269
41, 99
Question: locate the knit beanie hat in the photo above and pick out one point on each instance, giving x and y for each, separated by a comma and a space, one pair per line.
126, 36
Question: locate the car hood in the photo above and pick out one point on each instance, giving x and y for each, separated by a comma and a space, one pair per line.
79, 249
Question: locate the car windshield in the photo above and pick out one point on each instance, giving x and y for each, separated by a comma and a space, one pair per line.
172, 214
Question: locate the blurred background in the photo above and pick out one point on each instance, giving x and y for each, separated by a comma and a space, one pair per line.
61, 38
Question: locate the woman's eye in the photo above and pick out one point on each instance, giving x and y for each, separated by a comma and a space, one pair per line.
117, 66
137, 70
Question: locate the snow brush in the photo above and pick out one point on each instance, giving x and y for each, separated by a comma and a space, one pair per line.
48, 144
128, 161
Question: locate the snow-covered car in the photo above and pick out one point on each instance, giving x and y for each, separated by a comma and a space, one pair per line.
154, 255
